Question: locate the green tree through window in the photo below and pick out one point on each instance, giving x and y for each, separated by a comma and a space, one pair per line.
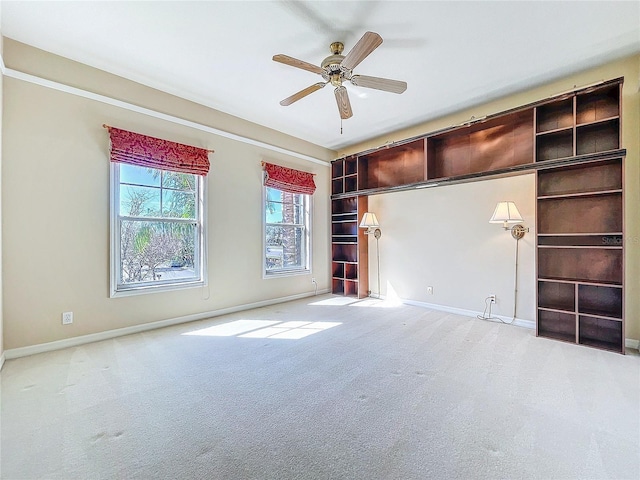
158, 228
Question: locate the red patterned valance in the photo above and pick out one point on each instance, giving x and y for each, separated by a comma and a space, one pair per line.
145, 151
288, 179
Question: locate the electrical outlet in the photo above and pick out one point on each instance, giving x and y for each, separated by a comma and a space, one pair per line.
313, 279
430, 290
67, 318
492, 298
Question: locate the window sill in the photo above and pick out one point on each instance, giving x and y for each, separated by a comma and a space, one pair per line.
285, 273
141, 290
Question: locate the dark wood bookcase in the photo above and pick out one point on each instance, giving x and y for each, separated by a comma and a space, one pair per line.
581, 254
349, 244
573, 143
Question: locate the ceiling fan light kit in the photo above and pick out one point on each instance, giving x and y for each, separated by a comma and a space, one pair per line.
337, 68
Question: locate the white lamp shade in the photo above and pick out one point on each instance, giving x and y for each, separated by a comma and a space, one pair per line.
369, 220
506, 212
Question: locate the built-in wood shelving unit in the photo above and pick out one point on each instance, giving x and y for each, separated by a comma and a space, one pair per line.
349, 246
573, 143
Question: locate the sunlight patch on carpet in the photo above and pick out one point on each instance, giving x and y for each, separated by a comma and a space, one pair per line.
335, 301
264, 329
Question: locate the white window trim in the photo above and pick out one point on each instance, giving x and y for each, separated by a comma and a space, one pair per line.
307, 270
114, 243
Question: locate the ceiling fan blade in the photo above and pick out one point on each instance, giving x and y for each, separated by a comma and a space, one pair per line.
385, 84
294, 62
344, 106
301, 94
367, 44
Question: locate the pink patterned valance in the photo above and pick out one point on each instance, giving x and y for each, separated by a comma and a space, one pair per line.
288, 179
145, 151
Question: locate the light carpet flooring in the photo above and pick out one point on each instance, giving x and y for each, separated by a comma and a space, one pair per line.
323, 389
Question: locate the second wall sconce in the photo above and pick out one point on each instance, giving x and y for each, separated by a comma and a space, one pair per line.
507, 213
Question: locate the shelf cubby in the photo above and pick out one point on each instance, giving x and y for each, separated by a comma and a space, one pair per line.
337, 269
580, 179
557, 325
494, 144
350, 183
552, 146
351, 288
344, 228
337, 186
557, 296
598, 104
600, 301
587, 265
400, 165
351, 271
554, 115
598, 137
588, 214
601, 333
337, 286
345, 252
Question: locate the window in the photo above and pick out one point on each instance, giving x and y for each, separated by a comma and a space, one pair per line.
157, 229
286, 232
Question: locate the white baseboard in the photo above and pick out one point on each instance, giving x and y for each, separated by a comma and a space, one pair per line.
518, 322
119, 332
632, 343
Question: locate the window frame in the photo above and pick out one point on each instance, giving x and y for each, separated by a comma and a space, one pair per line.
308, 217
119, 289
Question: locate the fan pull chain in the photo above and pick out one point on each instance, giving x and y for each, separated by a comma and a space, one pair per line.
340, 125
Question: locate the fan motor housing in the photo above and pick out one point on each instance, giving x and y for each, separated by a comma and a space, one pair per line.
332, 63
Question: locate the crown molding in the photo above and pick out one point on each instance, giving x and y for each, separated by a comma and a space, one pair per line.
43, 82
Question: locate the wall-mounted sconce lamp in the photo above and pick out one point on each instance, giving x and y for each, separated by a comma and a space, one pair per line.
370, 222
507, 213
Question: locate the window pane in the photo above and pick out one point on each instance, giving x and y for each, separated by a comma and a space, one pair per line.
285, 247
139, 201
179, 181
177, 204
139, 175
284, 213
275, 195
157, 251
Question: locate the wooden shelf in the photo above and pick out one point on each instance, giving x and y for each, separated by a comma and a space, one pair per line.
580, 241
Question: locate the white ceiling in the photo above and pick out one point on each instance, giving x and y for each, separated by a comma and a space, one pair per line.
452, 54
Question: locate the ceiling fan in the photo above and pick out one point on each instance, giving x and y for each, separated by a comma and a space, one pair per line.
337, 68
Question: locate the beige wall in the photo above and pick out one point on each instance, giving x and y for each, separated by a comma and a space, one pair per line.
441, 237
463, 256
56, 206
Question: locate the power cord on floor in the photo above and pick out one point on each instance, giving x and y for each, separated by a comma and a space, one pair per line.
487, 306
